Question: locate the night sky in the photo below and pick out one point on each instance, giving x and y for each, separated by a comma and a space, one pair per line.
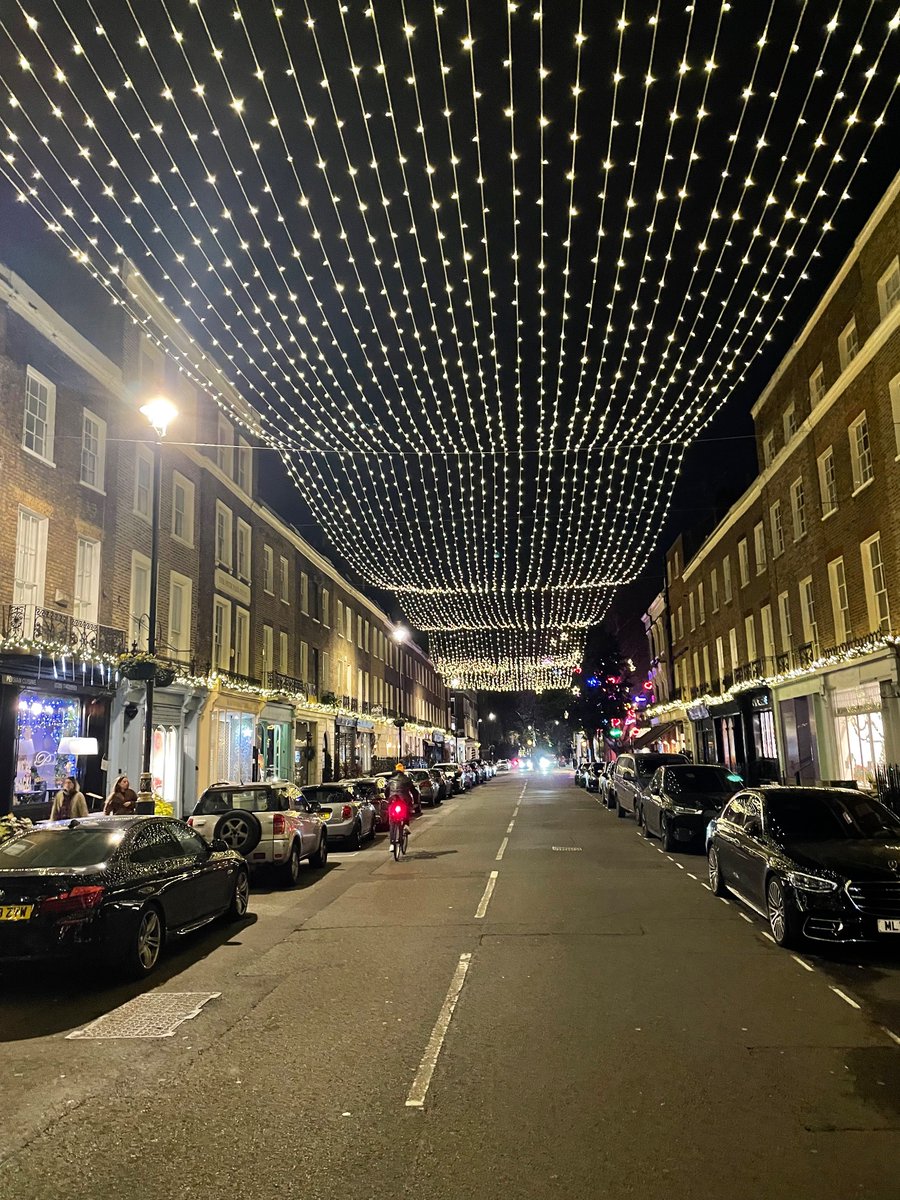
502, 289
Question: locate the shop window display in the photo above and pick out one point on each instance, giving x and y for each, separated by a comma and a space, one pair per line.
233, 745
164, 761
43, 721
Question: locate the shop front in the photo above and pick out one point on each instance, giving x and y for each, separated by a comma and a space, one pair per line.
761, 745
345, 754
173, 743
704, 732
365, 745
275, 741
228, 737
308, 766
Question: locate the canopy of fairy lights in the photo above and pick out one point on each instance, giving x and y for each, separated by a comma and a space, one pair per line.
480, 272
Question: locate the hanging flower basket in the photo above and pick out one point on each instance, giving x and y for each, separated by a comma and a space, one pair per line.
328, 698
165, 677
138, 666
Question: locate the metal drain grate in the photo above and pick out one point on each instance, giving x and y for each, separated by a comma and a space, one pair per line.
156, 1015
565, 847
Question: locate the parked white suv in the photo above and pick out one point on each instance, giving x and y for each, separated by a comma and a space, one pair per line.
269, 823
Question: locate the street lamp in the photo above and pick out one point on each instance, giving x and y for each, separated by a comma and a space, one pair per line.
160, 413
400, 634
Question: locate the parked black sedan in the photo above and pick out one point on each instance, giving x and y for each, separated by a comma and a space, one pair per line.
680, 801
113, 887
817, 863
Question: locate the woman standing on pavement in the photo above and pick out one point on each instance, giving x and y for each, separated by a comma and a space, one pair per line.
69, 802
121, 800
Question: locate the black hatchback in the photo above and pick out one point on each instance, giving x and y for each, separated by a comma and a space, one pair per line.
114, 888
818, 863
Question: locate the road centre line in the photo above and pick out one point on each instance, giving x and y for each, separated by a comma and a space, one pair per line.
509, 827
422, 1081
802, 961
843, 995
744, 917
486, 898
893, 1036
690, 876
503, 846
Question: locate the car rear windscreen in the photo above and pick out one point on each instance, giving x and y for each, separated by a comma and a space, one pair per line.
67, 847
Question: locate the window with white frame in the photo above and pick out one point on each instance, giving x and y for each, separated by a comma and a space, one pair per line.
284, 579
180, 604
733, 648
768, 632
241, 641
339, 616
889, 289
720, 658
808, 613
701, 603
707, 674
225, 446
40, 415
139, 601
798, 508
743, 562
750, 634
359, 631
221, 631
224, 536
284, 656
692, 611
367, 638
182, 509
840, 600
876, 585
93, 451
31, 564
894, 388
268, 651
759, 547
326, 607
244, 463
784, 616
726, 578
769, 449
268, 570
304, 661
695, 658
789, 421
143, 482
817, 388
681, 621
860, 452
776, 525
244, 559
304, 592
86, 600
714, 589
848, 344
325, 671
827, 482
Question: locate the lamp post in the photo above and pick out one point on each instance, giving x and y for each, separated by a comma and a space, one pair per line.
160, 412
400, 633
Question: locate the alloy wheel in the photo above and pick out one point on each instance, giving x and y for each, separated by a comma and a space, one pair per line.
242, 894
777, 910
149, 939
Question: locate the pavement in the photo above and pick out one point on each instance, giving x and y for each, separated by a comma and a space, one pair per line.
534, 1002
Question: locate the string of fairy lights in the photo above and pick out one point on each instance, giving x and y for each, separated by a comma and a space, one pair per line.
480, 277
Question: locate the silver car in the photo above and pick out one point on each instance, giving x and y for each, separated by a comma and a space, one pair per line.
349, 816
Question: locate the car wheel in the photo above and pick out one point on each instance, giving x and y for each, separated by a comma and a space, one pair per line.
665, 834
240, 897
784, 920
716, 882
645, 827
290, 872
620, 811
146, 943
354, 841
320, 858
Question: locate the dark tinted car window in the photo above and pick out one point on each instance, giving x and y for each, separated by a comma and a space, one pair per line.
153, 843
317, 795
823, 816
79, 847
735, 811
647, 763
700, 779
189, 843
258, 799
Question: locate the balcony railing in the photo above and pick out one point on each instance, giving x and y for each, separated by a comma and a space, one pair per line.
278, 681
27, 622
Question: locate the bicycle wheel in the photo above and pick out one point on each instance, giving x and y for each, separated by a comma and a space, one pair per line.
396, 839
404, 841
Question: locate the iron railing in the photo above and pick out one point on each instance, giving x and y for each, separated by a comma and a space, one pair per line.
278, 681
30, 623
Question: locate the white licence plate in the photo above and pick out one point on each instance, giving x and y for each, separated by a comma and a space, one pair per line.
889, 926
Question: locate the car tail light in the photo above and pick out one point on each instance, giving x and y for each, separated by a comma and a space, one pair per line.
346, 812
76, 899
278, 824
190, 822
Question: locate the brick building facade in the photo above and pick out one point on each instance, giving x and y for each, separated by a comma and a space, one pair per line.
781, 625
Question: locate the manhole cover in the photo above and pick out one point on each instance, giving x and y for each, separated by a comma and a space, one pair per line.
156, 1015
564, 848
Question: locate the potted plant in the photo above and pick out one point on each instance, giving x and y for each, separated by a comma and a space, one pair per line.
328, 698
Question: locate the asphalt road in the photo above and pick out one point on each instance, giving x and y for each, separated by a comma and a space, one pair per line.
617, 1032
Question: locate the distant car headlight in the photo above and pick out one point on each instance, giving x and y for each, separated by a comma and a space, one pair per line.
810, 883
684, 810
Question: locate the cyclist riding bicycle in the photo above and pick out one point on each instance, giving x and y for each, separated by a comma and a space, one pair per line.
400, 795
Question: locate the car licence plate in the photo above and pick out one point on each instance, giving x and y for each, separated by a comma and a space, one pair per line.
16, 912
889, 926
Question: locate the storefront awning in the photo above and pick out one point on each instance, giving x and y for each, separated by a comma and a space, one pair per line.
648, 736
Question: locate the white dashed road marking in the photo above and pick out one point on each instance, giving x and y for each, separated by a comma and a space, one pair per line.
502, 849
893, 1036
803, 963
419, 1089
486, 898
847, 999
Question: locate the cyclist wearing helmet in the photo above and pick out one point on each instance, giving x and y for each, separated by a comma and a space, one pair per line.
400, 791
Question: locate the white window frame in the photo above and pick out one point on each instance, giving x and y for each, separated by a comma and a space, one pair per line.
225, 446
840, 600
798, 508
789, 422
733, 648
268, 652
726, 578
284, 579
185, 486
827, 482
179, 634
98, 484
714, 589
894, 390
776, 529
860, 452
744, 562
769, 448
139, 605
284, 653
221, 648
877, 602
241, 640
784, 620
681, 622
848, 344
750, 637
759, 547
817, 385
808, 613
767, 626
268, 570
692, 613
244, 569
143, 456
339, 616
701, 603
326, 607
304, 661
86, 592
224, 546
720, 659
35, 380
244, 466
304, 593
888, 288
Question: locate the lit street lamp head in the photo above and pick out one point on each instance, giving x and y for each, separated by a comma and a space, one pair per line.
399, 633
160, 413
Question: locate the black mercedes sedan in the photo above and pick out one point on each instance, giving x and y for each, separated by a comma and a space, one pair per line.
817, 863
681, 800
114, 888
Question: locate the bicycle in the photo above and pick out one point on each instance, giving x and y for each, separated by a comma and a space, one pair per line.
399, 831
